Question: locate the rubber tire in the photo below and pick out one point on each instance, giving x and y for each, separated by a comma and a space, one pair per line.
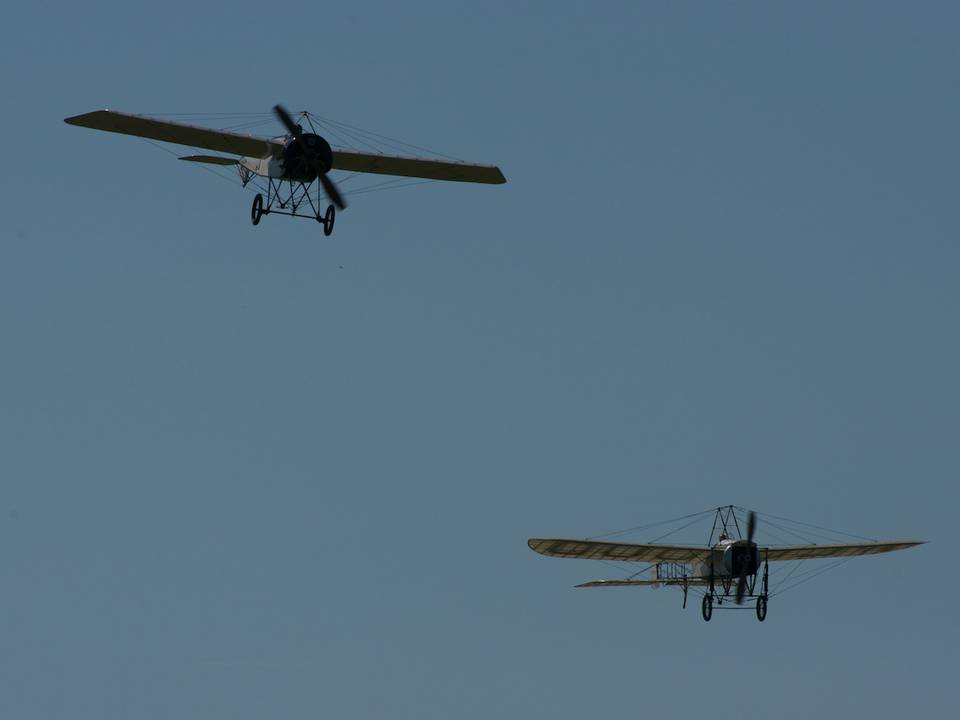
761, 608
328, 219
706, 608
256, 211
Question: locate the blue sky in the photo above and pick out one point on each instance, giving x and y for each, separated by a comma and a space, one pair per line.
252, 472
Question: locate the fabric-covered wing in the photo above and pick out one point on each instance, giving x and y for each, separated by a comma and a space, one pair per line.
812, 552
691, 582
416, 167
174, 132
594, 550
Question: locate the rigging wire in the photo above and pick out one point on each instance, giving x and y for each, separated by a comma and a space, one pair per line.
767, 524
831, 566
627, 531
776, 536
808, 538
630, 566
346, 178
817, 527
641, 571
386, 138
781, 581
389, 186
202, 166
350, 135
248, 125
665, 535
336, 136
795, 576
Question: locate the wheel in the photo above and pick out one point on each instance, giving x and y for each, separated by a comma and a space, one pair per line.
328, 219
707, 607
256, 212
762, 608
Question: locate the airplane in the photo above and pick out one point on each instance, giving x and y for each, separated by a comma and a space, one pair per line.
297, 158
715, 566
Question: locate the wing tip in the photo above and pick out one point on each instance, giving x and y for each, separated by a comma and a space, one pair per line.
83, 118
901, 544
541, 546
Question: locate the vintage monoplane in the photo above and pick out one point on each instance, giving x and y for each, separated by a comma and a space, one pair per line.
298, 158
728, 569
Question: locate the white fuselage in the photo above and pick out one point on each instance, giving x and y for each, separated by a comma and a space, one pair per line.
267, 166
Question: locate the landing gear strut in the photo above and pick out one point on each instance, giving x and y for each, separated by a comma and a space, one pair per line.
292, 200
718, 594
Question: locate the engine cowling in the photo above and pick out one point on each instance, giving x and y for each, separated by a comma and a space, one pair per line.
305, 157
741, 558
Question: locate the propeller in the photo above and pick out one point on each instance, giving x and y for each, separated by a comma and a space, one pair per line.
331, 190
284, 117
742, 580
313, 160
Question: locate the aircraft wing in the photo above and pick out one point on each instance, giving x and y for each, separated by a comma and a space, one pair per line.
376, 163
595, 550
175, 132
253, 146
689, 582
812, 552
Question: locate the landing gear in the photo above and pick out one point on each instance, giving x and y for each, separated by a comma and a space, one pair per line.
293, 198
762, 598
719, 589
762, 608
706, 607
328, 219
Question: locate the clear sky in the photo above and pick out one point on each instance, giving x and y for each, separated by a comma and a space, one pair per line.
255, 472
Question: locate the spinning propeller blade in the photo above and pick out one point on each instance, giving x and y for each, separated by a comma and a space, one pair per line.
742, 580
283, 116
331, 190
741, 588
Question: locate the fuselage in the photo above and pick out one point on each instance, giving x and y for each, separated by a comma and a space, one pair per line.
730, 558
300, 159
266, 166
